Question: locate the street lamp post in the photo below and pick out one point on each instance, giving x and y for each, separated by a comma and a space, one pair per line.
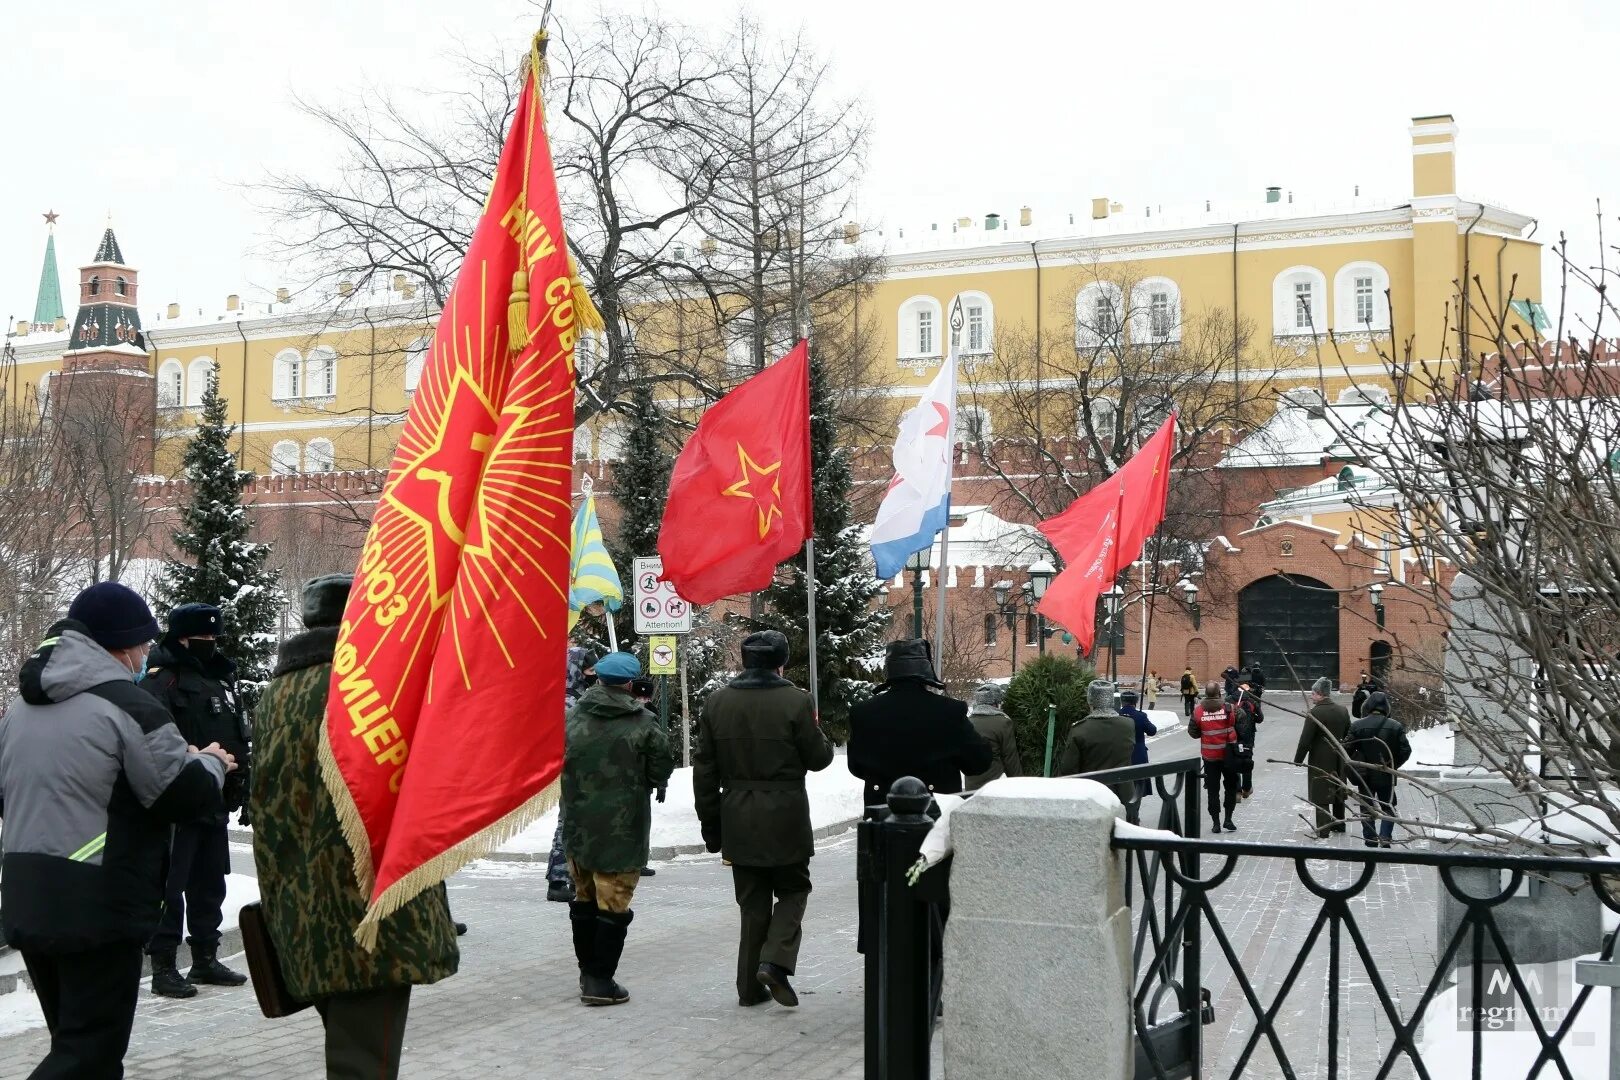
1191, 592
1375, 592
917, 564
1115, 597
1040, 576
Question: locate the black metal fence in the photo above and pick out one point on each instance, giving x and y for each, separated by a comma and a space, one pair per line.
1181, 945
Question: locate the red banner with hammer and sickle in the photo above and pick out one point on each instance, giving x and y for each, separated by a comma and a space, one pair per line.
444, 724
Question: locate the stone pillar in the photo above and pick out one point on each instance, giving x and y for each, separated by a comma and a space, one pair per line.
1484, 668
1037, 951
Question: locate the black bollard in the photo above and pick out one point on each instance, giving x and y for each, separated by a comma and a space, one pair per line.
898, 921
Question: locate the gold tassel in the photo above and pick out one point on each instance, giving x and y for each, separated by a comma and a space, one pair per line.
517, 313
586, 317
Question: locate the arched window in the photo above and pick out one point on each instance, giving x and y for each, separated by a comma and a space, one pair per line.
978, 325
121, 285
1099, 313
1360, 297
171, 380
779, 338
320, 373
284, 457
1155, 311
319, 456
972, 425
416, 354
921, 326
92, 288
1299, 301
588, 353
1104, 417
289, 368
197, 376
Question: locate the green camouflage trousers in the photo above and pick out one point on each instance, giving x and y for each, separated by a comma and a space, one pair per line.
609, 892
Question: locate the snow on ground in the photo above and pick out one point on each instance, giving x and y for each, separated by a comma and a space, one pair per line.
1508, 1055
835, 796
19, 1012
240, 889
1433, 746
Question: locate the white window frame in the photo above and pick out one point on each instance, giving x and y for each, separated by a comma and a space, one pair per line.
288, 376
171, 384
416, 357
1143, 330
320, 456
972, 425
964, 339
284, 458
1285, 303
1090, 331
1344, 291
589, 350
910, 329
320, 372
1104, 417
197, 373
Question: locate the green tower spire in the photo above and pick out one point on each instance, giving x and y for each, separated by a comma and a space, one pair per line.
48, 305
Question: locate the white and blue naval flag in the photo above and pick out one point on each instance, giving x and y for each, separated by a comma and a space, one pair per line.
918, 503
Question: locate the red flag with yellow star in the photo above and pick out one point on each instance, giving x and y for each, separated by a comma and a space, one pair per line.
739, 496
444, 722
1103, 531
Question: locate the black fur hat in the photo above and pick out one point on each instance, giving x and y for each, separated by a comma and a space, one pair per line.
765, 650
325, 598
910, 658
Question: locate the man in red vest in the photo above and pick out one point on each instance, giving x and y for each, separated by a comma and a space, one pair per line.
1214, 725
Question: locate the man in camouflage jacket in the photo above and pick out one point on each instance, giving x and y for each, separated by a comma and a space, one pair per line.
617, 752
306, 872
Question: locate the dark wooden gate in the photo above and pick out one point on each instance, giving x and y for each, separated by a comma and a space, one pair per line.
1289, 625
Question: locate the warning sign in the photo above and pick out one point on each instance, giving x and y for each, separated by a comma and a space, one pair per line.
661, 655
658, 609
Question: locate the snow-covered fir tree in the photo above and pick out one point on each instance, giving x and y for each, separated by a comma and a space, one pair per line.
215, 562
849, 630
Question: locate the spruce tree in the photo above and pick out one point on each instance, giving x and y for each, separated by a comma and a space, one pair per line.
849, 630
641, 486
216, 563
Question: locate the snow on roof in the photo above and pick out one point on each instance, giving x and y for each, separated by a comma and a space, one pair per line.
1305, 429
381, 300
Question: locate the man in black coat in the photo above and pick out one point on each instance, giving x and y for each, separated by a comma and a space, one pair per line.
195, 682
911, 728
757, 740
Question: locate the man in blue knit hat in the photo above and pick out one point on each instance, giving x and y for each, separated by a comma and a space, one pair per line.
196, 683
92, 773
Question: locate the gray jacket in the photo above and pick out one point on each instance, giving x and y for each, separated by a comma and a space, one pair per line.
92, 774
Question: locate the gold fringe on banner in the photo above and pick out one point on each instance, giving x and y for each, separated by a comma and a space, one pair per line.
441, 866
348, 814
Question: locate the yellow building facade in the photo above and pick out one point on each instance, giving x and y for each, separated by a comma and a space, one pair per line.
322, 384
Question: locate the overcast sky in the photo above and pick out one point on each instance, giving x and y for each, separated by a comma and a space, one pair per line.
160, 113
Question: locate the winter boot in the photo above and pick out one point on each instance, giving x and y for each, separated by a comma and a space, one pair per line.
167, 980
560, 891
596, 985
647, 871
582, 919
1215, 824
207, 970
774, 978
1228, 824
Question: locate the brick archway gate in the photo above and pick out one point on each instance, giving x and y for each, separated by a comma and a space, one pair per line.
1289, 624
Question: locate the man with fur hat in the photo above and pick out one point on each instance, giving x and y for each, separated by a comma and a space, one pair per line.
92, 774
306, 874
1321, 750
996, 728
911, 727
1102, 739
196, 683
616, 753
757, 740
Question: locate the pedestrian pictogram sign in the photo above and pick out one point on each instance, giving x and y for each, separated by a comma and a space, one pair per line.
658, 609
661, 655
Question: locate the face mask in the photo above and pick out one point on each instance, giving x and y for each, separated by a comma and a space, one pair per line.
587, 680
135, 659
203, 649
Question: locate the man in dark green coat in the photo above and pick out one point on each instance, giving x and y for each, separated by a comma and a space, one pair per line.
306, 872
1321, 748
617, 752
757, 739
1102, 739
996, 728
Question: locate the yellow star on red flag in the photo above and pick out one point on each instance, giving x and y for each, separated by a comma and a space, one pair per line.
767, 500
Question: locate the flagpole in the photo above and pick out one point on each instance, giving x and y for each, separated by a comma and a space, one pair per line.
810, 542
943, 583
1117, 622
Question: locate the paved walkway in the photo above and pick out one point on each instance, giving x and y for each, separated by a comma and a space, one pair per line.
512, 1010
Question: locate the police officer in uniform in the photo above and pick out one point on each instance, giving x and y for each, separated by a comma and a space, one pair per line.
196, 683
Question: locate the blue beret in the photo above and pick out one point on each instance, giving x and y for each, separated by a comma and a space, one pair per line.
618, 667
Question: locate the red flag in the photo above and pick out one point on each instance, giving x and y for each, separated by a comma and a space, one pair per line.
460, 606
1104, 530
739, 497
